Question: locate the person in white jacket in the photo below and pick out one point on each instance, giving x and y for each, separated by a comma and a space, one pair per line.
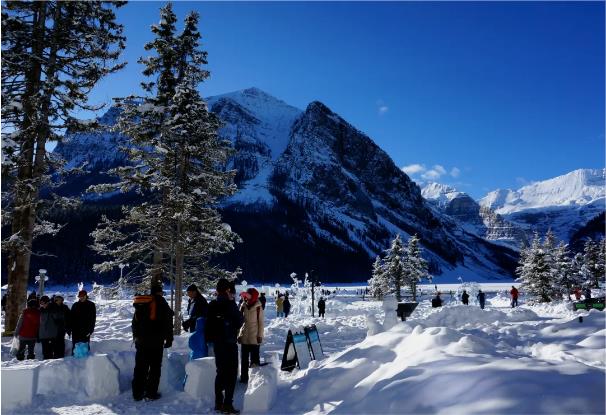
251, 333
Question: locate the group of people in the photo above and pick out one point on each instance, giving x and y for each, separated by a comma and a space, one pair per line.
47, 321
282, 305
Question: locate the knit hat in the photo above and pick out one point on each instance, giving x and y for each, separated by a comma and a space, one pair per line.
82, 293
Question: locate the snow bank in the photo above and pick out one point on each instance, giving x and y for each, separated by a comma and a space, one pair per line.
262, 389
19, 385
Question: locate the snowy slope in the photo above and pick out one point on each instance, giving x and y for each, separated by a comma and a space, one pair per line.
457, 359
564, 203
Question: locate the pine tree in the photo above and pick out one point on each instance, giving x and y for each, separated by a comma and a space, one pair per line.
378, 285
394, 266
415, 267
562, 272
176, 160
535, 273
53, 54
593, 266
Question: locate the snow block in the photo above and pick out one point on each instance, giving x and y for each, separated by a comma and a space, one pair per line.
262, 389
200, 383
91, 378
173, 371
390, 305
18, 386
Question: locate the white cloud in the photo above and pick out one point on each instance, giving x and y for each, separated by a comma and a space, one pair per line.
383, 109
413, 169
455, 172
434, 173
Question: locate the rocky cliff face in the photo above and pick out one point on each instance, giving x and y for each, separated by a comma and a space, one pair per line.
315, 192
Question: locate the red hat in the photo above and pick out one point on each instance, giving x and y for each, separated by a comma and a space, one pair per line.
254, 295
82, 293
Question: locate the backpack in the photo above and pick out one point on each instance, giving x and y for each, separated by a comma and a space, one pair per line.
218, 327
145, 315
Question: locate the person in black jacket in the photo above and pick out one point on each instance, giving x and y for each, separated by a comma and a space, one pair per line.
222, 326
482, 299
321, 307
197, 307
83, 319
465, 297
64, 329
152, 327
286, 305
262, 300
51, 321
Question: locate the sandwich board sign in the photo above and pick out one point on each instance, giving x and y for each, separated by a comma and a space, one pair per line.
296, 352
311, 332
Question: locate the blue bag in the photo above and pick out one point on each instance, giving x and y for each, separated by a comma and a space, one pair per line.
81, 350
197, 342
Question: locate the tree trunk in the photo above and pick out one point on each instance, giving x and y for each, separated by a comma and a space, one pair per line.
156, 277
178, 286
26, 194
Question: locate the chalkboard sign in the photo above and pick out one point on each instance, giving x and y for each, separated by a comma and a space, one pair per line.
314, 342
289, 359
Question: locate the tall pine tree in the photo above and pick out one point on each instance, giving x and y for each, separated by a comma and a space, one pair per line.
379, 285
53, 54
394, 266
177, 161
415, 267
535, 273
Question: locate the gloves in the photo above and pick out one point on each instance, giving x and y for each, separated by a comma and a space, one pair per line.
168, 343
259, 340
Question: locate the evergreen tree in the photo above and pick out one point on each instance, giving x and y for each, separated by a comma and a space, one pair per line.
394, 266
415, 267
562, 271
53, 54
378, 285
535, 273
593, 269
577, 270
177, 160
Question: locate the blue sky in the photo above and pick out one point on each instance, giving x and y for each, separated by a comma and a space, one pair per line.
476, 95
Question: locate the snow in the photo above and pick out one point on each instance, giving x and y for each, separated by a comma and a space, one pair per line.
453, 359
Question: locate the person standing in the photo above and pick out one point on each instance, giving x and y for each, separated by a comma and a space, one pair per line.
514, 296
197, 307
436, 301
482, 299
27, 330
251, 333
321, 307
262, 300
83, 319
286, 305
279, 306
51, 322
465, 297
152, 328
222, 326
64, 329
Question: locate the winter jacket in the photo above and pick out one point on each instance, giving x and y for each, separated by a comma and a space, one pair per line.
280, 304
83, 318
481, 297
262, 300
28, 324
66, 328
196, 308
465, 298
253, 326
321, 306
51, 321
514, 293
286, 306
223, 321
156, 326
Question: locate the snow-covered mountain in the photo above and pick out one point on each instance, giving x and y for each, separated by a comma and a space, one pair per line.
477, 219
316, 193
564, 203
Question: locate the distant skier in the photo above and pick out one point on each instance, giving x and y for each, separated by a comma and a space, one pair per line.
321, 307
27, 330
83, 319
436, 301
482, 299
465, 297
262, 300
196, 307
286, 305
514, 296
280, 306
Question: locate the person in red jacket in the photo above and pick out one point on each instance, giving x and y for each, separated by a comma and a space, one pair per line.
514, 296
27, 330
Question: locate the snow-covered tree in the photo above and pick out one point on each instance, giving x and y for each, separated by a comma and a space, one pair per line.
415, 267
393, 265
177, 162
593, 268
379, 285
53, 54
535, 273
562, 272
